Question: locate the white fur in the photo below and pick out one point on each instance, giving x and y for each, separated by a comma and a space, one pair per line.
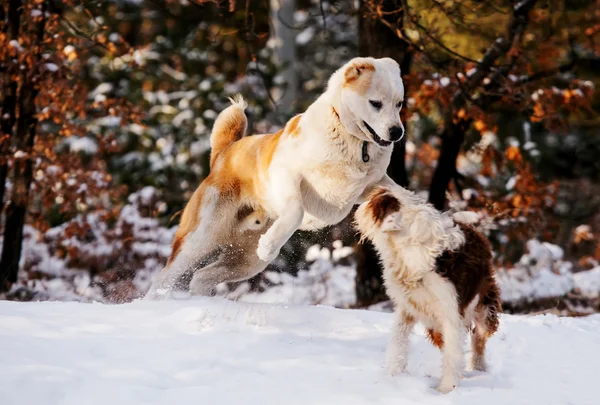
413, 236
316, 178
408, 242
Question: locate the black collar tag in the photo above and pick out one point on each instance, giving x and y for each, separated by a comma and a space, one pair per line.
365, 152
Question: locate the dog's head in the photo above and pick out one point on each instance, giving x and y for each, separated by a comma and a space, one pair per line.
379, 214
400, 216
371, 97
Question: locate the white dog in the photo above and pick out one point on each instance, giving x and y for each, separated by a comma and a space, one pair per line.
308, 175
437, 272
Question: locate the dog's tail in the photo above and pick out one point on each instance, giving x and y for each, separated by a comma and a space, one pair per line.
230, 126
492, 303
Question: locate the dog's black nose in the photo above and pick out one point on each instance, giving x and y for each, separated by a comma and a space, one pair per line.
396, 133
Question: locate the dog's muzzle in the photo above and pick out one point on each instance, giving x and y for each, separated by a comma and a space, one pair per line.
379, 141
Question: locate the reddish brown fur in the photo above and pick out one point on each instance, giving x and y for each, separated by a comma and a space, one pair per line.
358, 77
470, 268
353, 72
471, 272
436, 338
269, 150
381, 204
228, 129
292, 126
188, 222
234, 169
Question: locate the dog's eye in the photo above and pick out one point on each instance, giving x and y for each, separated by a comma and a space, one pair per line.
399, 105
376, 104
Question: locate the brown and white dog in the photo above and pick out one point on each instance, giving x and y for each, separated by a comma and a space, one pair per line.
436, 271
306, 176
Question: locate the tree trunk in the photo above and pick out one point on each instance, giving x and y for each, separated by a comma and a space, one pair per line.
378, 40
445, 171
22, 177
282, 18
455, 127
24, 136
9, 102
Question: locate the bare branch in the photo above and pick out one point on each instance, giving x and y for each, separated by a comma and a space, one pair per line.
499, 48
415, 21
323, 14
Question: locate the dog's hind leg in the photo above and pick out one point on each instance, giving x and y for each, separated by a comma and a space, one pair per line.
436, 338
226, 270
170, 278
206, 279
397, 351
486, 323
206, 224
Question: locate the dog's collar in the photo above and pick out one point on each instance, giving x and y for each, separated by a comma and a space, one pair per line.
365, 145
365, 152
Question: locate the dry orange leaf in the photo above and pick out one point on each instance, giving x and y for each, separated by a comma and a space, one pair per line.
480, 125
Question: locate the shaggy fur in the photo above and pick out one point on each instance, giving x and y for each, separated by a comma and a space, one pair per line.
308, 175
436, 271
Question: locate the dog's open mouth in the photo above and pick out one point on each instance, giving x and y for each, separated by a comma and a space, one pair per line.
376, 138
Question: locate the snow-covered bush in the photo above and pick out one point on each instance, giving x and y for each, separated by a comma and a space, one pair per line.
88, 259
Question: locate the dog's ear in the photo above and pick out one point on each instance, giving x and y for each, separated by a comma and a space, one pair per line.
382, 205
392, 223
357, 68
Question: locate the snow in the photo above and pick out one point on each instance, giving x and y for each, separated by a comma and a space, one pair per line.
510, 184
175, 74
204, 85
15, 44
467, 217
305, 36
102, 88
184, 115
587, 283
52, 67
516, 285
47, 276
212, 350
539, 274
69, 49
323, 283
83, 144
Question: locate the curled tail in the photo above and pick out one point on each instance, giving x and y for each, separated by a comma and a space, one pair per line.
230, 126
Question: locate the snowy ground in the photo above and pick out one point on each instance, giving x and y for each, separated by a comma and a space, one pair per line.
207, 351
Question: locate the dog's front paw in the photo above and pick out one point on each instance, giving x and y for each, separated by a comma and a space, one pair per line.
396, 366
396, 361
447, 385
266, 251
